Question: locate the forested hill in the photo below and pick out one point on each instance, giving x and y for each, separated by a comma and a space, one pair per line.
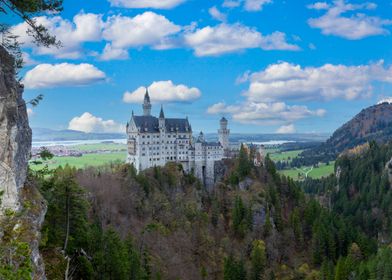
362, 193
111, 223
373, 123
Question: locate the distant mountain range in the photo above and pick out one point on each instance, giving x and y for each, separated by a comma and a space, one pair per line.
45, 134
372, 123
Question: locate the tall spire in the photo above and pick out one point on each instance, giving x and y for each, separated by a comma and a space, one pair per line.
146, 96
146, 104
161, 114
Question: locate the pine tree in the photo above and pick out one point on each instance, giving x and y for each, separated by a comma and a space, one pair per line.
244, 164
233, 270
258, 260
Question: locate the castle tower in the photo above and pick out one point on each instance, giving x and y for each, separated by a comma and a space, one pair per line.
147, 104
224, 134
161, 120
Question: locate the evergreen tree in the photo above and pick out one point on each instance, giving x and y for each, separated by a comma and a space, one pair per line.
241, 217
258, 260
244, 164
233, 270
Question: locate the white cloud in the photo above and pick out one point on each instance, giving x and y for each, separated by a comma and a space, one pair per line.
285, 81
28, 60
83, 28
277, 41
145, 29
155, 4
265, 113
284, 129
110, 53
231, 3
63, 74
354, 26
255, 5
90, 123
163, 91
227, 38
385, 100
248, 5
216, 14
30, 112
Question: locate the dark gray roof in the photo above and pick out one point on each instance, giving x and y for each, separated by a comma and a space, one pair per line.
146, 123
151, 124
212, 144
182, 125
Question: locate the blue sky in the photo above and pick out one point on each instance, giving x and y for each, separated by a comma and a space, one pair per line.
267, 65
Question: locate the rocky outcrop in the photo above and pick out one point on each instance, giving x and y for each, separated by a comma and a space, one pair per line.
23, 198
15, 134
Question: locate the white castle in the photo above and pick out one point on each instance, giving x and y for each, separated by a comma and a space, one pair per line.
155, 141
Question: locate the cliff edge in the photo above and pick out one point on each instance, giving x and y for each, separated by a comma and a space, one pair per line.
15, 134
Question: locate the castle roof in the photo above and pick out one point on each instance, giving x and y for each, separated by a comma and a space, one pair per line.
151, 124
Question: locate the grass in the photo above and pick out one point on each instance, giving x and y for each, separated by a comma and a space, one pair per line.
83, 161
284, 156
318, 172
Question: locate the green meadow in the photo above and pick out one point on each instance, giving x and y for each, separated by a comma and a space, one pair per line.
284, 156
322, 170
318, 172
83, 161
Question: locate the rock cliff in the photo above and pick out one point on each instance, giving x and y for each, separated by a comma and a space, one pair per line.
15, 134
22, 208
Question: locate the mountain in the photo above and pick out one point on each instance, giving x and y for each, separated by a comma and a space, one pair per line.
372, 123
46, 134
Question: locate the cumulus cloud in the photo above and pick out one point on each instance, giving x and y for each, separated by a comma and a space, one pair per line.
154, 4
265, 113
216, 14
90, 123
284, 129
249, 5
227, 38
286, 81
63, 74
145, 29
163, 91
340, 19
277, 41
85, 27
110, 53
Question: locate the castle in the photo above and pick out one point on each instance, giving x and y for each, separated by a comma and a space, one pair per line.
154, 141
